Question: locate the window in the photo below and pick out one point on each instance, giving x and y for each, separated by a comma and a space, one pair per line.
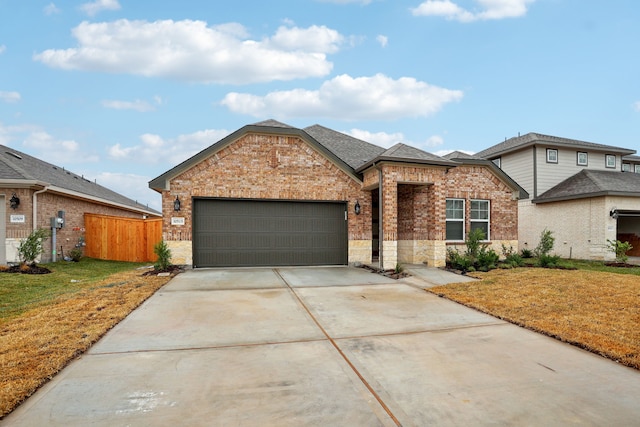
610, 160
497, 161
552, 155
455, 219
637, 169
626, 167
583, 159
480, 216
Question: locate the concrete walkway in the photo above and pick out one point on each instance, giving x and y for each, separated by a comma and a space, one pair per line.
332, 346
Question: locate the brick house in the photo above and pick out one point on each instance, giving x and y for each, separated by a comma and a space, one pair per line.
32, 192
272, 194
585, 193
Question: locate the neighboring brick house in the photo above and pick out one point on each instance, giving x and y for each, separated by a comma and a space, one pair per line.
32, 192
585, 193
272, 194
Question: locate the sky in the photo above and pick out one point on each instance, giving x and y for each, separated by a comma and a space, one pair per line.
121, 91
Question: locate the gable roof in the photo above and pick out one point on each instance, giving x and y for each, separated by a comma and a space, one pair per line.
530, 139
20, 169
460, 155
407, 154
266, 127
593, 183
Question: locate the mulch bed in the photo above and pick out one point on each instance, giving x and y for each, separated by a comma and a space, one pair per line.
172, 270
392, 274
26, 269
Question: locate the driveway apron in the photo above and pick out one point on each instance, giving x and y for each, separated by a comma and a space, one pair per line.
326, 346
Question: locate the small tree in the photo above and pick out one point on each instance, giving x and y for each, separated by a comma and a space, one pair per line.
620, 249
546, 243
32, 247
164, 256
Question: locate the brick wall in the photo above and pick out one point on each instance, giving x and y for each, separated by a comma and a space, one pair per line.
48, 205
258, 166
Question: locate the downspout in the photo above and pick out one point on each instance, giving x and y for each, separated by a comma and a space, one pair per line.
34, 204
35, 207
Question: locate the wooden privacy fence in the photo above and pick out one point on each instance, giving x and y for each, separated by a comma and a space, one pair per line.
121, 239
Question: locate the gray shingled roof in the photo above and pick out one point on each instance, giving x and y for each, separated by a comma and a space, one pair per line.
273, 123
15, 165
353, 151
460, 155
593, 183
519, 142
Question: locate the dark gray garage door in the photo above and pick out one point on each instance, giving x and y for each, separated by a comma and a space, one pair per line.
242, 233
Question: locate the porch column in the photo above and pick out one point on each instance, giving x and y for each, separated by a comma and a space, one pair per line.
389, 218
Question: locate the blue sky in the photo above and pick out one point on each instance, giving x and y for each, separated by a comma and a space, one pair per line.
121, 91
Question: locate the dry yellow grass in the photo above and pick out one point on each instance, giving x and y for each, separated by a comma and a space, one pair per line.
597, 311
40, 342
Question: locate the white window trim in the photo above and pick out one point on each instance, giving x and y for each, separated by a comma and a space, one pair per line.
462, 220
628, 165
488, 220
586, 160
606, 161
549, 151
636, 168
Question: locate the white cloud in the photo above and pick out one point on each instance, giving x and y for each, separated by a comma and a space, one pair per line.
155, 149
364, 98
98, 6
51, 9
636, 106
133, 186
137, 105
489, 9
434, 141
2, 48
55, 150
382, 139
192, 51
383, 40
10, 96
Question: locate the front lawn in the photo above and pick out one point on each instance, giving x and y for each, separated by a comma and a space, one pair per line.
48, 320
596, 307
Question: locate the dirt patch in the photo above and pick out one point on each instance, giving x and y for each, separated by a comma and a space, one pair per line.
393, 274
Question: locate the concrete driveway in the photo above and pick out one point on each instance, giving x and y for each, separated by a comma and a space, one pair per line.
331, 346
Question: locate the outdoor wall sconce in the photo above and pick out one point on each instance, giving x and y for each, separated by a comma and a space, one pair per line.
356, 208
613, 214
176, 204
14, 201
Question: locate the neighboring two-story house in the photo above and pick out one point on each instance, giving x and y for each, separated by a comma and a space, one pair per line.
585, 193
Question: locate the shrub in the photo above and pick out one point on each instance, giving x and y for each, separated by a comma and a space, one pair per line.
460, 262
546, 243
526, 253
487, 259
474, 242
75, 254
32, 247
620, 249
163, 253
548, 261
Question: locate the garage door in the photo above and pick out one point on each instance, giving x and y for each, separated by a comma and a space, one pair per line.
242, 233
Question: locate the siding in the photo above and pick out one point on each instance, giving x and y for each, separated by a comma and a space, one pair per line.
551, 174
519, 166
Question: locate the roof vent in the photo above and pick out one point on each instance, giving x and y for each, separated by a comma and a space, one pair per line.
17, 156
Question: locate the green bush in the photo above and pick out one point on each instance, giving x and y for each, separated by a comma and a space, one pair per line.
548, 261
460, 262
474, 242
163, 253
526, 253
75, 254
487, 259
620, 249
546, 243
32, 247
